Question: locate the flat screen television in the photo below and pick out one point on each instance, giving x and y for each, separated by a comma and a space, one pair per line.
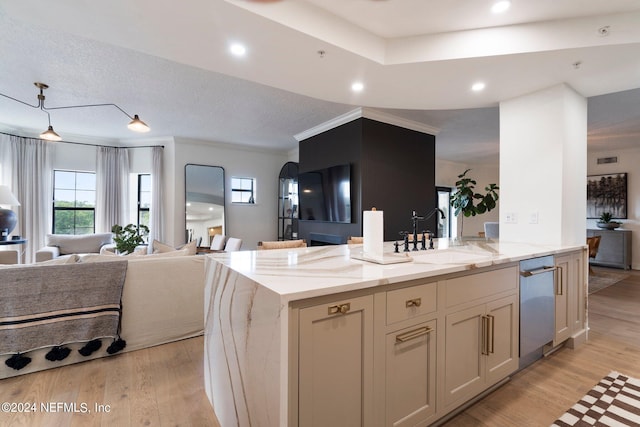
325, 194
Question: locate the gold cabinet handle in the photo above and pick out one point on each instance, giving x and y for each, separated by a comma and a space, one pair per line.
491, 330
485, 336
340, 308
560, 284
416, 302
408, 336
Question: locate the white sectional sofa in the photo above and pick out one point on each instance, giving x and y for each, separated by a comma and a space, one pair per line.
162, 301
67, 244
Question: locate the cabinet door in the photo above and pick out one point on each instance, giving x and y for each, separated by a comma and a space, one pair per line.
502, 338
577, 288
335, 370
410, 375
611, 249
463, 361
563, 313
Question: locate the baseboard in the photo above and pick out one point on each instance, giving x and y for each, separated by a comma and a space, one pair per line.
577, 339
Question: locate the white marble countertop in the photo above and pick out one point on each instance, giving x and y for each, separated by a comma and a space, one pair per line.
296, 274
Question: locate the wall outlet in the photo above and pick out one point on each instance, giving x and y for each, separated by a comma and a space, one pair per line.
533, 218
511, 218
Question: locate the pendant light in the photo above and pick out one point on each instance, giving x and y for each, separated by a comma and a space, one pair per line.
135, 124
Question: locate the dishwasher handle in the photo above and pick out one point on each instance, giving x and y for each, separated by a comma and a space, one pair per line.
542, 270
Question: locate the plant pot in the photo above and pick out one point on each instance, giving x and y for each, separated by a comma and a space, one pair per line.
608, 225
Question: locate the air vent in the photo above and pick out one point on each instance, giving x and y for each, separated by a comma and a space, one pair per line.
605, 160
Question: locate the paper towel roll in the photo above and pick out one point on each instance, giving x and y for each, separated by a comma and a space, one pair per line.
372, 233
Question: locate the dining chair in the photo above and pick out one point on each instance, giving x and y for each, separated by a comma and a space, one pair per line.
282, 244
217, 243
233, 244
594, 243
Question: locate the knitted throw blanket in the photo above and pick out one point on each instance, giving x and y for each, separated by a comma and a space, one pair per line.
45, 306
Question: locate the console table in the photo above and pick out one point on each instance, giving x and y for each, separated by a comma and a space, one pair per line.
614, 249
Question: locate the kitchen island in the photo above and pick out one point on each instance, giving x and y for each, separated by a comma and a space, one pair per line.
314, 336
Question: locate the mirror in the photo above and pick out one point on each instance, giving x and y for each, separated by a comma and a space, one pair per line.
204, 200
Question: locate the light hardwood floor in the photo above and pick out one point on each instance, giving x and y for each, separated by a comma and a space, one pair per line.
159, 386
163, 386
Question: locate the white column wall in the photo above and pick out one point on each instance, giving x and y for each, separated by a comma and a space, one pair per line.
543, 154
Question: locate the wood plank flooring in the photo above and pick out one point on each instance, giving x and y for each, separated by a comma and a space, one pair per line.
163, 386
159, 386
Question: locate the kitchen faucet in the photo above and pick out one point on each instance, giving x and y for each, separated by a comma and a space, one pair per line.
414, 222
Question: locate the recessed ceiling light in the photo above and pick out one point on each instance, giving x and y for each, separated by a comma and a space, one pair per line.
357, 87
477, 87
500, 6
238, 49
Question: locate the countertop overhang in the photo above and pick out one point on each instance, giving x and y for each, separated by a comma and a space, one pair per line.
301, 273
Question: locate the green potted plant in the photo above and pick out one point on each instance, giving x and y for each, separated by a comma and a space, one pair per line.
606, 222
467, 202
129, 237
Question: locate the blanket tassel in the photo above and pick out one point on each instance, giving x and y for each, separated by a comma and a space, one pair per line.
57, 353
17, 361
90, 347
116, 346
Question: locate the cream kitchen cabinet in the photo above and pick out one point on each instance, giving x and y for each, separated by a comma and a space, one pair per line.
481, 333
481, 348
333, 342
410, 374
335, 363
405, 348
570, 298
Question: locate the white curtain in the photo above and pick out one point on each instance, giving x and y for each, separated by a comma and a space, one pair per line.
112, 188
156, 220
31, 184
5, 160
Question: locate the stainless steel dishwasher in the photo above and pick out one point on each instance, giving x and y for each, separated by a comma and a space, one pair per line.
537, 307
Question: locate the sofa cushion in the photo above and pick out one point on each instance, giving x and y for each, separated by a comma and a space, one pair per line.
68, 259
191, 247
78, 244
106, 257
159, 247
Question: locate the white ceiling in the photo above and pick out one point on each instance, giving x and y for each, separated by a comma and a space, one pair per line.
169, 63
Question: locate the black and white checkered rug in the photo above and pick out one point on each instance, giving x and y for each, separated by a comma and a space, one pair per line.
614, 401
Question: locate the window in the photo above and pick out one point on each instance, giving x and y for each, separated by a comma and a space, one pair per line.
242, 190
144, 198
74, 201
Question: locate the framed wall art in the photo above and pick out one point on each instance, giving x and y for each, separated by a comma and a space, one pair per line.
607, 193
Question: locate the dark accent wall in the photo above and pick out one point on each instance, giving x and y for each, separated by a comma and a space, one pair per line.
392, 169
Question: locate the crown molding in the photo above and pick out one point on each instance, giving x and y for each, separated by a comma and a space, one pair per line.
367, 113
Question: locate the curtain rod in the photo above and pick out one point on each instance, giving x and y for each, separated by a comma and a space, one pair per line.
85, 143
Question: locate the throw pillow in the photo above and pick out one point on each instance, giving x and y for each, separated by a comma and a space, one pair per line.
175, 253
159, 247
191, 247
